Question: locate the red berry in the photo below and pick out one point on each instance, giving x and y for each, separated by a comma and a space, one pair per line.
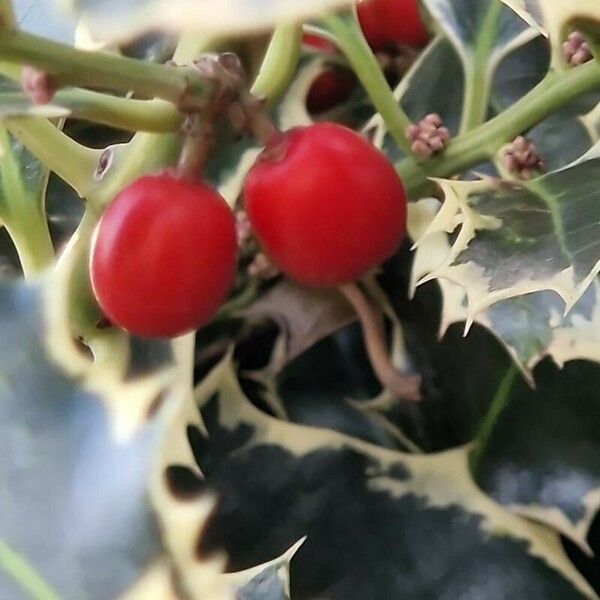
163, 256
325, 204
329, 89
388, 23
318, 43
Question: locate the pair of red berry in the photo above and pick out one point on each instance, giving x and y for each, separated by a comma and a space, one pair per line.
386, 24
323, 202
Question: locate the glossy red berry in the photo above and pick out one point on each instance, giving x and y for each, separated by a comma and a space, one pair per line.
330, 88
163, 256
325, 204
333, 86
387, 23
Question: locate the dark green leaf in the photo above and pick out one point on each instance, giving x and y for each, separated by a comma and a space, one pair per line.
541, 458
418, 523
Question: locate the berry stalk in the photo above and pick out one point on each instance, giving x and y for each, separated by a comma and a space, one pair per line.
352, 43
403, 386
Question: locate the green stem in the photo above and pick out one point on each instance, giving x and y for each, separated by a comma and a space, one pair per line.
23, 214
71, 161
279, 63
352, 43
31, 237
477, 84
72, 67
480, 144
499, 403
81, 307
191, 45
24, 574
156, 116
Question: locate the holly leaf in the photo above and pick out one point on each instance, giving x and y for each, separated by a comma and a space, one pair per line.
498, 252
548, 478
111, 20
470, 27
530, 325
303, 315
276, 482
548, 470
181, 500
534, 326
69, 473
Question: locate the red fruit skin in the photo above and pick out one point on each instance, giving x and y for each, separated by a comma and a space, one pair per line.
325, 204
318, 43
330, 88
388, 23
163, 256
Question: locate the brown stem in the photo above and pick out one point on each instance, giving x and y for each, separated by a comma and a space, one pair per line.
199, 138
406, 387
257, 119
227, 73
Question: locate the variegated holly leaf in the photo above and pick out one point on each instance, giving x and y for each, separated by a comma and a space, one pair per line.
534, 326
550, 478
419, 523
482, 34
548, 471
555, 17
509, 239
73, 502
124, 19
177, 491
530, 326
